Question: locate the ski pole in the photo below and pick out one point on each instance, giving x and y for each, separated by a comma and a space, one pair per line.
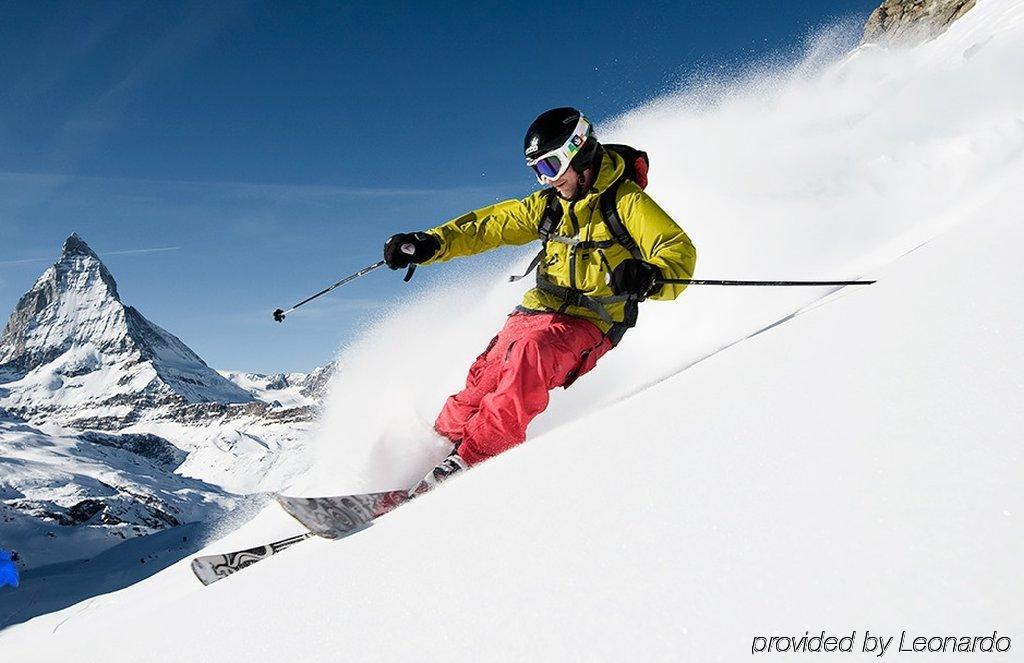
407, 249
761, 283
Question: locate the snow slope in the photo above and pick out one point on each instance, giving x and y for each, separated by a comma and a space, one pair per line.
69, 497
855, 465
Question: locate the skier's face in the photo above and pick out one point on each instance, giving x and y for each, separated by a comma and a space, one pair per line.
570, 185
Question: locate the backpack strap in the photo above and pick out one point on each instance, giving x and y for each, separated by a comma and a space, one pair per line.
549, 221
610, 212
552, 215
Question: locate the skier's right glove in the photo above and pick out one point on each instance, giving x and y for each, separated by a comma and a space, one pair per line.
403, 249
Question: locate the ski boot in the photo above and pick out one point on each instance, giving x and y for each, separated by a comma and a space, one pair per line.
451, 465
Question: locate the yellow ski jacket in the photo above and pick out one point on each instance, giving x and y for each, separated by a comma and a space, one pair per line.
660, 240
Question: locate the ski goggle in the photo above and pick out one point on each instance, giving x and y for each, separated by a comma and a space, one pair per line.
549, 166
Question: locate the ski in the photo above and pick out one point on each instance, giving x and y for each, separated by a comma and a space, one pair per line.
327, 517
335, 517
211, 568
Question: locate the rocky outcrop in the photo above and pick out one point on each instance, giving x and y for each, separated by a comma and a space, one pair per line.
316, 383
154, 448
910, 22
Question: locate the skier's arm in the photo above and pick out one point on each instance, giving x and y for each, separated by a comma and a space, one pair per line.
510, 222
660, 239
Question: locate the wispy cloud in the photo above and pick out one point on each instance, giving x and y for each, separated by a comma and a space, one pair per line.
125, 252
158, 249
232, 188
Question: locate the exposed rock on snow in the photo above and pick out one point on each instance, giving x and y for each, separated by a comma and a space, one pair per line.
156, 449
316, 383
912, 21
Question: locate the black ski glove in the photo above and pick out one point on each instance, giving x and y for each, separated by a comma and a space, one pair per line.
423, 248
635, 277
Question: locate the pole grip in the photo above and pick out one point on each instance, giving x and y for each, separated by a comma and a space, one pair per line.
409, 249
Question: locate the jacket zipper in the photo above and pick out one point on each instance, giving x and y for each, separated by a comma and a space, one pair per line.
572, 249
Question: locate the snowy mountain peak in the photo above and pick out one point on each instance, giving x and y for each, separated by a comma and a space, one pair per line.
46, 322
75, 245
76, 256
71, 346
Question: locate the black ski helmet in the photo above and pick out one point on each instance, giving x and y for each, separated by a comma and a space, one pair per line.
551, 130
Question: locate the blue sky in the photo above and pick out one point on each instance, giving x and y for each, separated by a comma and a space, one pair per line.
268, 149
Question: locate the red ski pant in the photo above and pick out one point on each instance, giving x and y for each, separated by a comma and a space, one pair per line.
508, 384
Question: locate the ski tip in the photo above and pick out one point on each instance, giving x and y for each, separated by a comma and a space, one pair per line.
281, 498
204, 571
286, 501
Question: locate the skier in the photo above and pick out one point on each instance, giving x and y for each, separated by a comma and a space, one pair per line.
606, 246
8, 571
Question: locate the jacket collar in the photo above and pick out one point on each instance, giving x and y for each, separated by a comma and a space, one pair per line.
611, 168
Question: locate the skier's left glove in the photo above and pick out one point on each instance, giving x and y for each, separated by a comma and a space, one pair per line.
403, 249
635, 277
